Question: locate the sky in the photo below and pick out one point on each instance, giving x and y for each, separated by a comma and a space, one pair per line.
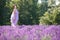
57, 2
39, 1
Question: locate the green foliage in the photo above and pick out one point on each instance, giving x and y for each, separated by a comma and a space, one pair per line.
51, 17
25, 8
51, 2
30, 12
2, 4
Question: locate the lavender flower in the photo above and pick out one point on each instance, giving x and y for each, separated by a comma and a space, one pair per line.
30, 32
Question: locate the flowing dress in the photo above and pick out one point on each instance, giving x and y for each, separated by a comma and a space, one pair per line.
14, 17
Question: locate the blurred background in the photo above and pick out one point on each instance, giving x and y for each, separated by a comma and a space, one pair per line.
31, 12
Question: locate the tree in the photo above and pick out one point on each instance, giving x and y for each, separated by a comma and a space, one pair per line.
2, 4
29, 11
51, 17
8, 7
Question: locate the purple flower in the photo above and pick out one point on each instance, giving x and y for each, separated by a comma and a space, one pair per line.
30, 32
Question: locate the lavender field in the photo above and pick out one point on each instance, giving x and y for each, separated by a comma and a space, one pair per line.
30, 32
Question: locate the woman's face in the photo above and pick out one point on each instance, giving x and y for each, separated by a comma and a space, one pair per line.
15, 6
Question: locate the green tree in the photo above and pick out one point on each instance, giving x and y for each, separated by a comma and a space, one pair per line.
2, 4
8, 10
29, 11
51, 17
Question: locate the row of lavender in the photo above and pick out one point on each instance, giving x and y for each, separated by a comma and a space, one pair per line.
30, 32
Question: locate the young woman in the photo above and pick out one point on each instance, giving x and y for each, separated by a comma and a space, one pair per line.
14, 17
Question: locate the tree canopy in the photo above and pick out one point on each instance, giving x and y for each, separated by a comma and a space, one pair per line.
30, 12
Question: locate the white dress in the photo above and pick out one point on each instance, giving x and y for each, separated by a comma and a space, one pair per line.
14, 17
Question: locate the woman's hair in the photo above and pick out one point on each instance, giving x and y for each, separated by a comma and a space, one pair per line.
14, 6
